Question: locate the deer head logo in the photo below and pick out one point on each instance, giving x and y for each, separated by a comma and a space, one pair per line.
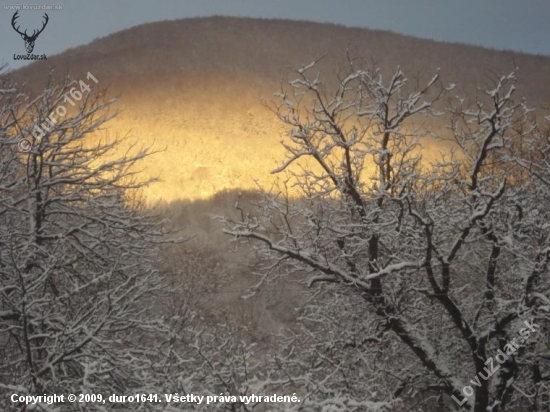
29, 40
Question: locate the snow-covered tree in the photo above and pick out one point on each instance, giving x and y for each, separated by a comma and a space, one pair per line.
444, 259
77, 251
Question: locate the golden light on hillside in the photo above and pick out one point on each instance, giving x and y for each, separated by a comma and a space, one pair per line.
195, 163
195, 158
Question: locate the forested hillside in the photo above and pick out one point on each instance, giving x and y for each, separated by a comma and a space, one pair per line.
356, 220
195, 87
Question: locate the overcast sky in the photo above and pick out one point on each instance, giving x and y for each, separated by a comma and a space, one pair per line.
522, 25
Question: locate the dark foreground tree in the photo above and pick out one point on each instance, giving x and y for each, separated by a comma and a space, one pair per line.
77, 253
444, 261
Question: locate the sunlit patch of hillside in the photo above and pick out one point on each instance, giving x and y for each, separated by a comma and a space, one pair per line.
207, 138
201, 149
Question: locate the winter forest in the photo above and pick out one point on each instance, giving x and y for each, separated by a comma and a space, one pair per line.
393, 256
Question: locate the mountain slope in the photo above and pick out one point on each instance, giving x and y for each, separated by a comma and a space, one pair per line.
194, 87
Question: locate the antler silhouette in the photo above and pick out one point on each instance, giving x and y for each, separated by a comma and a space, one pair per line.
34, 33
43, 27
29, 40
15, 16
